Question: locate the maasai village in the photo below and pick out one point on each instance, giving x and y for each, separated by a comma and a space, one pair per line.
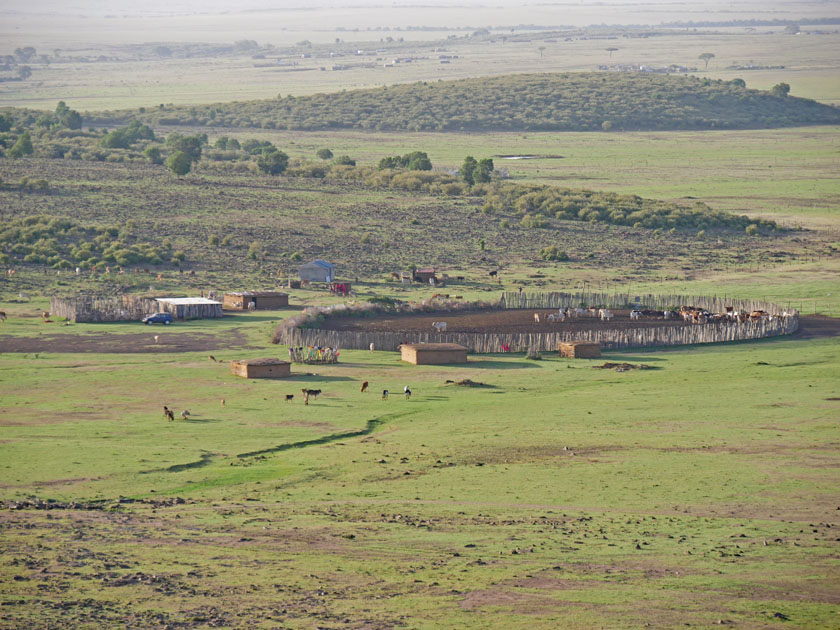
420, 316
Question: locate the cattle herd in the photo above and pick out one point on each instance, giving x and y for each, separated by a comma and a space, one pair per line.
688, 314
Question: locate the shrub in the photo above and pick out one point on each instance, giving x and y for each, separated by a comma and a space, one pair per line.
552, 252
534, 221
752, 229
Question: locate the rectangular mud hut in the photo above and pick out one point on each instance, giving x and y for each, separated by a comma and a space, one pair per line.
433, 353
580, 350
190, 308
261, 368
262, 300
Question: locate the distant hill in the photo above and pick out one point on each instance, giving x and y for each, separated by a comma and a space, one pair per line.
522, 102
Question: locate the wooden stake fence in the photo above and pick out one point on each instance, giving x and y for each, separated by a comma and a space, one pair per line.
512, 299
103, 309
610, 339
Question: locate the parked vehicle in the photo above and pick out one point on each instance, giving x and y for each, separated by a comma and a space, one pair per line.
158, 318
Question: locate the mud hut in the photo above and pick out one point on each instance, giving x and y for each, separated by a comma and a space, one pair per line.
580, 350
426, 276
262, 300
433, 353
261, 368
190, 308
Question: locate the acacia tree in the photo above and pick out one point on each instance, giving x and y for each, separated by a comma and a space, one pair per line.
781, 90
324, 154
707, 57
468, 170
611, 50
22, 147
272, 161
179, 163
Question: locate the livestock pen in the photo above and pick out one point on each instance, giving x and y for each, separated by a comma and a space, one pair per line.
389, 331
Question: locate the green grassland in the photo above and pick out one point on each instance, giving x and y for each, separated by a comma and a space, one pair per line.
701, 492
557, 495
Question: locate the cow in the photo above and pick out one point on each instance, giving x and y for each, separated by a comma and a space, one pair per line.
407, 392
605, 314
185, 414
312, 392
439, 326
395, 276
634, 314
493, 273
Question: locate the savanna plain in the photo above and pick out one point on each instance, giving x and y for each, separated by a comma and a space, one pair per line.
506, 492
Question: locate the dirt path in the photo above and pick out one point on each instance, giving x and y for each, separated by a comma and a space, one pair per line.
125, 343
817, 326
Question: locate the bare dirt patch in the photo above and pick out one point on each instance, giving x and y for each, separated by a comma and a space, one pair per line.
124, 343
817, 326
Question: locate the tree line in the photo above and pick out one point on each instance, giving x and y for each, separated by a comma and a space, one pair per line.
537, 102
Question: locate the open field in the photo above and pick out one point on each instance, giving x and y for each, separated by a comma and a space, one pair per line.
556, 495
506, 493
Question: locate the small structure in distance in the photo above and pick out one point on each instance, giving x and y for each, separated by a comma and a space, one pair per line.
317, 271
262, 300
580, 350
261, 368
190, 307
433, 353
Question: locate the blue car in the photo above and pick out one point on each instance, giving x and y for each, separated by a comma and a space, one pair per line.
158, 318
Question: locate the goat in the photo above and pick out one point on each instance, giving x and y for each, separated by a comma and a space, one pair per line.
364, 387
634, 314
384, 394
407, 392
168, 413
290, 397
157, 337
185, 414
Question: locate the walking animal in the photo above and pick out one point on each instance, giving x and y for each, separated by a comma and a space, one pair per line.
364, 387
168, 413
407, 392
290, 397
185, 414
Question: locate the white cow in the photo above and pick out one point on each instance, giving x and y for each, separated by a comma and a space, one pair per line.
605, 314
635, 314
439, 326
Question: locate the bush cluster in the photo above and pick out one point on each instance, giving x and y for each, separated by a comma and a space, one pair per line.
545, 102
64, 243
